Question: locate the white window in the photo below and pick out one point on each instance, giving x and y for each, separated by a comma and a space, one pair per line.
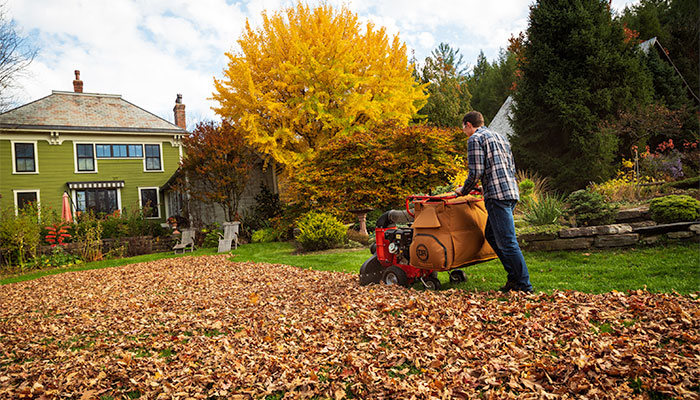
85, 158
24, 159
119, 150
24, 198
148, 198
153, 158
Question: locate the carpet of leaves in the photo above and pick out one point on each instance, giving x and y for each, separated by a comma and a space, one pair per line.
208, 328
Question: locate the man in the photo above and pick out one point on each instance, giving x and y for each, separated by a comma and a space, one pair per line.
491, 161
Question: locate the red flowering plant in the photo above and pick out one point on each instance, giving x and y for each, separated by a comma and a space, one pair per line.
57, 234
669, 163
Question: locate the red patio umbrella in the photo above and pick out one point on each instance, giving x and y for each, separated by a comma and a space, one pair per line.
66, 214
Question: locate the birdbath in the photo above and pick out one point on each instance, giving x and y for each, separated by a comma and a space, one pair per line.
361, 214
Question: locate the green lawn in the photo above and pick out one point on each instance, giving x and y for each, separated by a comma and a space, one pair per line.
675, 267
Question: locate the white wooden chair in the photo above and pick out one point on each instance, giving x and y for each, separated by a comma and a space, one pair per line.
186, 242
230, 236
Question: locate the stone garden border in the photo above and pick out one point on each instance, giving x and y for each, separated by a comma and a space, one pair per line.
632, 227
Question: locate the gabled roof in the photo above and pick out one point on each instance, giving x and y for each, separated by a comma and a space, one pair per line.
85, 112
501, 122
646, 45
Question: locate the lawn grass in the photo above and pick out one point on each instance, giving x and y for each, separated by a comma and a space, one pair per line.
348, 260
98, 265
675, 267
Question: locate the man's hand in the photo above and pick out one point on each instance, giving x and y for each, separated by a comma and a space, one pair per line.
458, 191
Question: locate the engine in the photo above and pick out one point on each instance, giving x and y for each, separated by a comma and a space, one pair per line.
398, 242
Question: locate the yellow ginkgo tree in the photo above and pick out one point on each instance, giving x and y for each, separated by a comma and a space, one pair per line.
308, 74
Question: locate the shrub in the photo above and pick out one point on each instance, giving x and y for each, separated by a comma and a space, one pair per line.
57, 258
690, 158
320, 231
268, 208
670, 163
267, 204
129, 224
283, 224
526, 187
674, 208
545, 211
114, 226
212, 234
264, 235
590, 208
88, 234
19, 234
535, 188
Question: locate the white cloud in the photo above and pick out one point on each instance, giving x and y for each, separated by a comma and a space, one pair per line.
150, 50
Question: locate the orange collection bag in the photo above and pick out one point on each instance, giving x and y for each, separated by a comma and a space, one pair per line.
449, 234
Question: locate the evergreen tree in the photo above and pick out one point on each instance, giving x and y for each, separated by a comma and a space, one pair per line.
449, 100
676, 24
669, 89
577, 70
491, 83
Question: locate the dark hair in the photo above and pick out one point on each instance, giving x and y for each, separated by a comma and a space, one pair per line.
473, 117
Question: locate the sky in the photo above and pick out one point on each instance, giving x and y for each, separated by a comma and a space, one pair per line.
148, 51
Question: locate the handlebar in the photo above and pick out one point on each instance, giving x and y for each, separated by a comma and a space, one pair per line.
409, 199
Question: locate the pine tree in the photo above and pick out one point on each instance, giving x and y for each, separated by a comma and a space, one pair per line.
444, 74
577, 70
491, 83
676, 25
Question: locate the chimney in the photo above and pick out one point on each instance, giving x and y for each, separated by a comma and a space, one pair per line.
77, 83
179, 111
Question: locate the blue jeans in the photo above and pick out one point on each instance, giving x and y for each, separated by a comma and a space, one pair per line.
500, 233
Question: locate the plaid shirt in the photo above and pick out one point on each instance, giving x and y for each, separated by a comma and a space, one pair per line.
491, 161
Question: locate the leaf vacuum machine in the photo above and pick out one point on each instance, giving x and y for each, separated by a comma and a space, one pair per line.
443, 233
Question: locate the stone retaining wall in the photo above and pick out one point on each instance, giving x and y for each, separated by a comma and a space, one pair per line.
632, 227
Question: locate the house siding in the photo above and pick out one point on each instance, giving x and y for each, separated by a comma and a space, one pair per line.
204, 214
56, 167
52, 165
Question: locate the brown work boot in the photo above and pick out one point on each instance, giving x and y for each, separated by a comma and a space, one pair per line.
508, 287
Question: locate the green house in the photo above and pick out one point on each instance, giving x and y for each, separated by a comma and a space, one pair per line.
106, 153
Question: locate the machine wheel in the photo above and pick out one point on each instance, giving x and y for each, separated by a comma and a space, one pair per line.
431, 282
458, 276
371, 271
395, 276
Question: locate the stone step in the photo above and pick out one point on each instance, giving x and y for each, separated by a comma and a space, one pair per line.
664, 228
595, 230
633, 214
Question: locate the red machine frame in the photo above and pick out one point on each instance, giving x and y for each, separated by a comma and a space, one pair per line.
387, 259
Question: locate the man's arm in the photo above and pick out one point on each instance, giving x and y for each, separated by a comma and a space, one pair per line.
475, 159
